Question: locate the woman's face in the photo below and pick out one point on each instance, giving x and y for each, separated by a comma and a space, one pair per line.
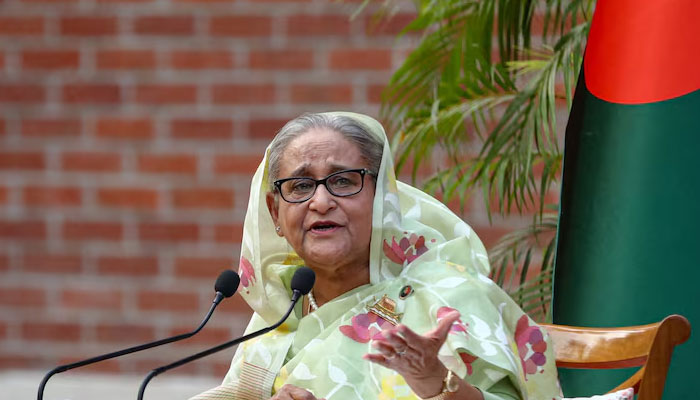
325, 230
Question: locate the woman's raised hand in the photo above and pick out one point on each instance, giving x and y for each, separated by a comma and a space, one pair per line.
415, 356
291, 392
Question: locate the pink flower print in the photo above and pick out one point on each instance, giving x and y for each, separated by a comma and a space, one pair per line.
531, 346
406, 250
365, 327
245, 270
468, 359
458, 326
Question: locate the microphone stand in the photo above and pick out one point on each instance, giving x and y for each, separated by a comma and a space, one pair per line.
295, 297
66, 367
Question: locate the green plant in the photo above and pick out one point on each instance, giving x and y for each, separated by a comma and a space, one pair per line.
477, 89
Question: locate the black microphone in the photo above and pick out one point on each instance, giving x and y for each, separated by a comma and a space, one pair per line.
302, 282
225, 286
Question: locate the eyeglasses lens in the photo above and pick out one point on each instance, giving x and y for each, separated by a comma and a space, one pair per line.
341, 184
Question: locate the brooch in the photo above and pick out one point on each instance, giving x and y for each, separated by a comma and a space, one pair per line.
405, 292
385, 308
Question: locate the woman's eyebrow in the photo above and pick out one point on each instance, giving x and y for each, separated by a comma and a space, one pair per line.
339, 167
303, 170
300, 171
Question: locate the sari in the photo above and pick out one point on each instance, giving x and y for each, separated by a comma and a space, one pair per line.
424, 262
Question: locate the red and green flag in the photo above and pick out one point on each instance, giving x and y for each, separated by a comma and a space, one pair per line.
628, 247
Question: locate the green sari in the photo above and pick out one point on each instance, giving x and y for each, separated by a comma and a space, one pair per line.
427, 262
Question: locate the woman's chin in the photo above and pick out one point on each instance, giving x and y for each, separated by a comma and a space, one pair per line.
327, 256
324, 258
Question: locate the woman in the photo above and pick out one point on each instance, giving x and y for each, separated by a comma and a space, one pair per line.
402, 307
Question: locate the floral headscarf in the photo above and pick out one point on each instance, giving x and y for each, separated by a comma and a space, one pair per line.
426, 261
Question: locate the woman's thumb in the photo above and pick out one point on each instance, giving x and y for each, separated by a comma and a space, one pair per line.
445, 324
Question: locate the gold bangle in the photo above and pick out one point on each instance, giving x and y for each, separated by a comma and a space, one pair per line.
449, 385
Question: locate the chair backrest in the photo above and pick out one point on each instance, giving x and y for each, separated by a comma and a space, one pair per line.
646, 346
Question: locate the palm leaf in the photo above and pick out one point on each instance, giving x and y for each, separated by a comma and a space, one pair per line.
477, 71
515, 252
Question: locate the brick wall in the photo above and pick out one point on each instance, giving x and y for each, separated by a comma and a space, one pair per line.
129, 131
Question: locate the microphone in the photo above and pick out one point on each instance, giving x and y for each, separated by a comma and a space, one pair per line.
225, 286
302, 282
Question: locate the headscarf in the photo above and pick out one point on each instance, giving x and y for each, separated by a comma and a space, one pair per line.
419, 249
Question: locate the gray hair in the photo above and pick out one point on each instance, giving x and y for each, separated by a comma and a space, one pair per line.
371, 147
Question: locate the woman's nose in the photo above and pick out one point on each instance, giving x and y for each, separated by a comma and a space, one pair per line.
322, 200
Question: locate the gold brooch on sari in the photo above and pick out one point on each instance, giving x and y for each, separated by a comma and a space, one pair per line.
385, 308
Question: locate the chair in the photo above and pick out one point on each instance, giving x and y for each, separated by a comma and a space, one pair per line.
646, 346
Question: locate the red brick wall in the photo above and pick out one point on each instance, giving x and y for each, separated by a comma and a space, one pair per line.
129, 131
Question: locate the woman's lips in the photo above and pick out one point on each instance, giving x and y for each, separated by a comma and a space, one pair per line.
324, 227
325, 230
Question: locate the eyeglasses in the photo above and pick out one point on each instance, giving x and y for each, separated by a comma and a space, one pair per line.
341, 184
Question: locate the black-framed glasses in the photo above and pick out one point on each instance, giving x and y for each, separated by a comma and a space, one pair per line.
341, 184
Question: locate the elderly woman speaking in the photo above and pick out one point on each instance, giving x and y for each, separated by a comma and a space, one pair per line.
402, 307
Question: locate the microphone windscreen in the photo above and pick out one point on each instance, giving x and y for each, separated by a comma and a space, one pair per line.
227, 283
303, 280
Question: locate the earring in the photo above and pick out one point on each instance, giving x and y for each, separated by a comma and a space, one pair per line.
278, 229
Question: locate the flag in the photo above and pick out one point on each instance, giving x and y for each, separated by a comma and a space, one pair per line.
628, 246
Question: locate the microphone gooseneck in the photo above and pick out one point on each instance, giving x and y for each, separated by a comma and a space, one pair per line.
225, 286
301, 284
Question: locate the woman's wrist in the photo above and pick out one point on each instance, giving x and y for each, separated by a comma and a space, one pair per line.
456, 389
429, 386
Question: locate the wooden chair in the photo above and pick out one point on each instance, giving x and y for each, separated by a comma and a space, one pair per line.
646, 346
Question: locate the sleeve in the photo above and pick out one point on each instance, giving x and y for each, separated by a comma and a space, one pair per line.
227, 390
223, 392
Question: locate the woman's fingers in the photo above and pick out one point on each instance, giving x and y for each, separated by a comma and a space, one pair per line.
400, 344
411, 338
444, 325
414, 356
438, 334
378, 359
386, 349
291, 392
